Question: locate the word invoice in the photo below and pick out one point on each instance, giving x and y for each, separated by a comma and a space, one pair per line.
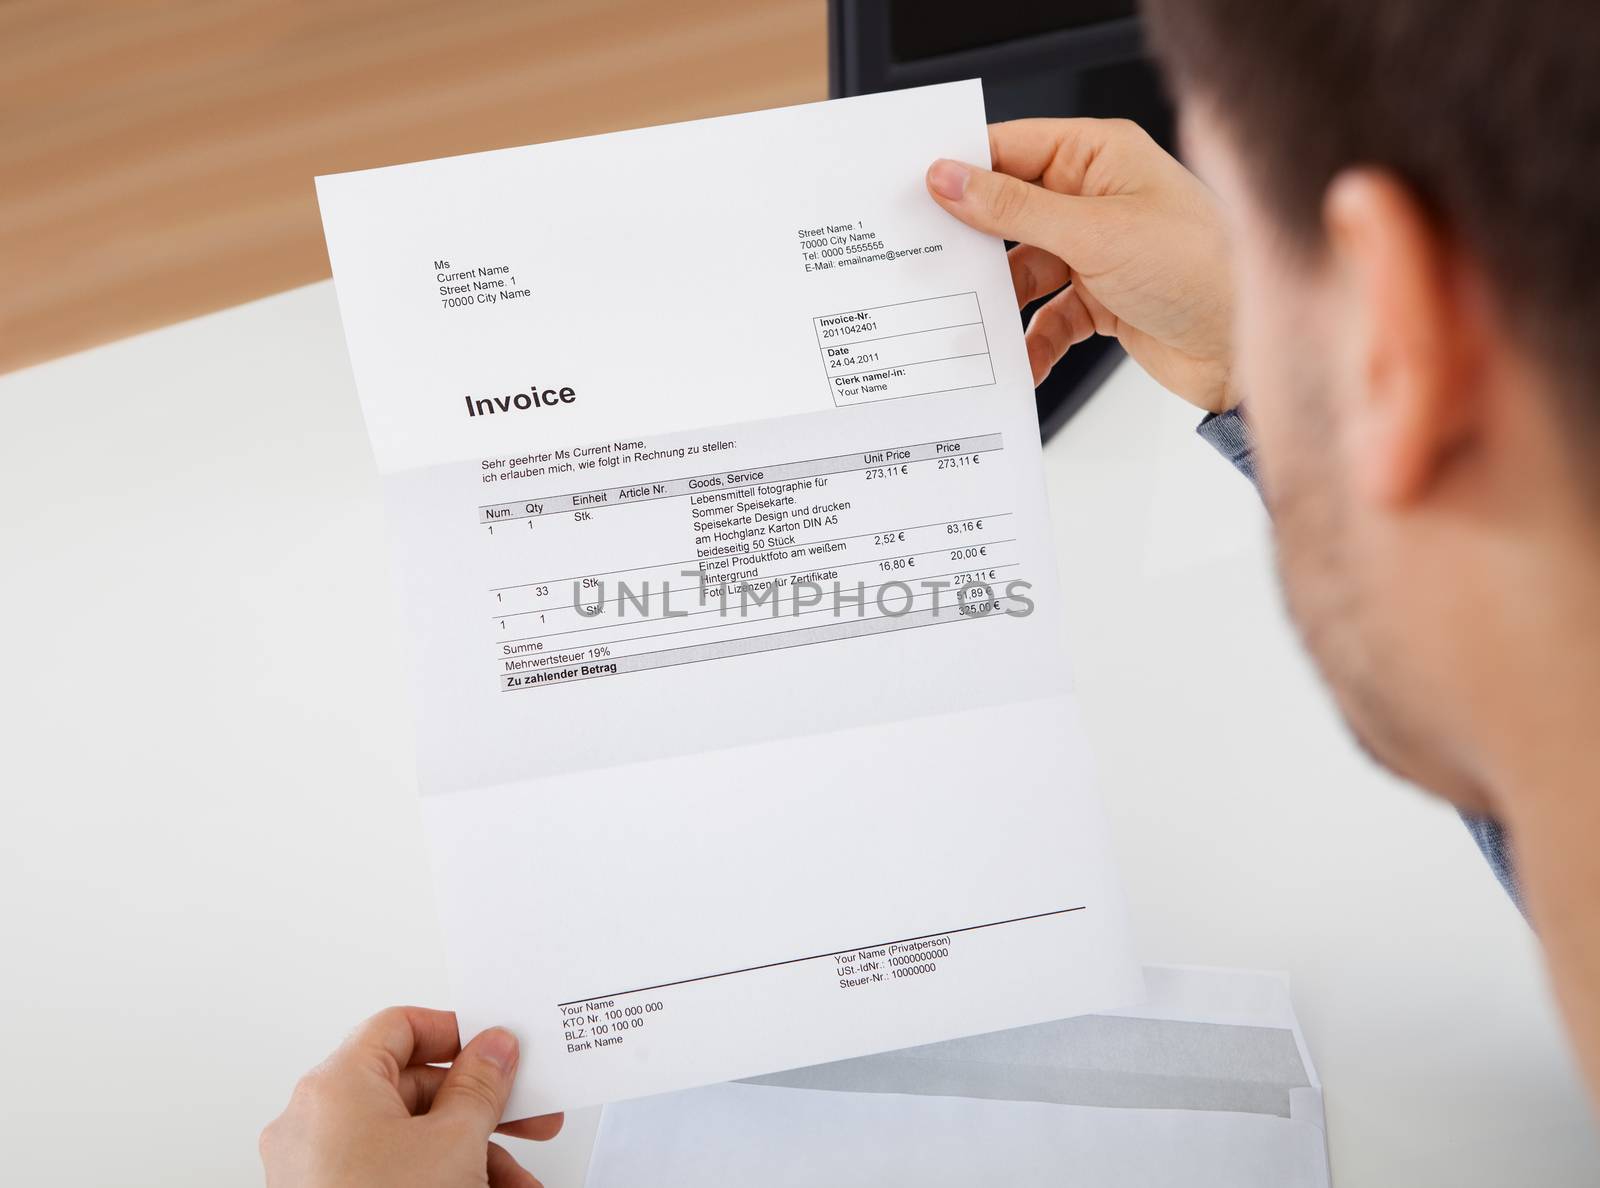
712, 470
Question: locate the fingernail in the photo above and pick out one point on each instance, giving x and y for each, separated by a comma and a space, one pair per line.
949, 178
499, 1048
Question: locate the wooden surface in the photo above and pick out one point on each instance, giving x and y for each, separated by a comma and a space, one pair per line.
156, 158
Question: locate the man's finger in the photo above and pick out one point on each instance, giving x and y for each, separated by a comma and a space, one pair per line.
1009, 208
506, 1172
539, 1129
995, 202
407, 1035
1059, 153
1104, 321
1035, 273
478, 1084
1056, 326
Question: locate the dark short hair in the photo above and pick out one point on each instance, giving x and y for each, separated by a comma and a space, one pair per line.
1488, 109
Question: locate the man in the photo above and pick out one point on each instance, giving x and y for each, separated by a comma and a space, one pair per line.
1394, 269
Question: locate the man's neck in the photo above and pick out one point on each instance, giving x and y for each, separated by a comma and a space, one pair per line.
1541, 744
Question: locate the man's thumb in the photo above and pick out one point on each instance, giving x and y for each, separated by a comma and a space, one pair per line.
1009, 207
479, 1081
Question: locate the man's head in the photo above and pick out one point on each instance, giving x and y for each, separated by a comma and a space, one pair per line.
1413, 195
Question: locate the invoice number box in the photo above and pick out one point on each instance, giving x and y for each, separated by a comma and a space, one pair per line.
907, 348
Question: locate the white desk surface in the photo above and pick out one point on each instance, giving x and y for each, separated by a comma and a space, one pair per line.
211, 863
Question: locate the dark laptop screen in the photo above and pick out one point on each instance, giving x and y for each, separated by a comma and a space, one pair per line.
927, 28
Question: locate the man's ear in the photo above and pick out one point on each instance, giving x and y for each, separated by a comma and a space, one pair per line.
1416, 333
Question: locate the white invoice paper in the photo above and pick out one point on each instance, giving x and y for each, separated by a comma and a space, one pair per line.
713, 474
